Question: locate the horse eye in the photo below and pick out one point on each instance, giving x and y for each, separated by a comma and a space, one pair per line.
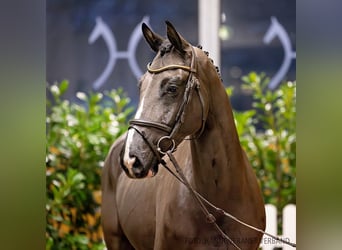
172, 89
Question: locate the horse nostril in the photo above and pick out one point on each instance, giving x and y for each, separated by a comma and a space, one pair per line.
137, 164
138, 169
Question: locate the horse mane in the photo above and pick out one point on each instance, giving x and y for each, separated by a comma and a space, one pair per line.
212, 61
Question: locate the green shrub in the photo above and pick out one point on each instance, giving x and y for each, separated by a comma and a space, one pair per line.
268, 134
78, 140
79, 137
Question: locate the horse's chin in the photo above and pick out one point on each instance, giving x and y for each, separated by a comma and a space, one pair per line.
153, 170
149, 171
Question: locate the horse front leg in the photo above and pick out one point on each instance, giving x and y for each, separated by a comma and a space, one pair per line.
113, 235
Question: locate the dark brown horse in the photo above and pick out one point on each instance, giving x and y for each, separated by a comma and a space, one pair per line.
182, 101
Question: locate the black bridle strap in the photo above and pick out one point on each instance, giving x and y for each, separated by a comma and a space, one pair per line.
181, 111
157, 125
204, 114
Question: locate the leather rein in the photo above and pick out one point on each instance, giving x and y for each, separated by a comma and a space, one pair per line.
192, 84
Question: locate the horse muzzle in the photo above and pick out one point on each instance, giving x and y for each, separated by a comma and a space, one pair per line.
136, 167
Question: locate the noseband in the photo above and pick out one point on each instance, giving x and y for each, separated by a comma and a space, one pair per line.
191, 85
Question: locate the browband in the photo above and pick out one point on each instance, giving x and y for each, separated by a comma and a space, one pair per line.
172, 66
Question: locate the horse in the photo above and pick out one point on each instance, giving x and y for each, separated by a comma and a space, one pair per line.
183, 108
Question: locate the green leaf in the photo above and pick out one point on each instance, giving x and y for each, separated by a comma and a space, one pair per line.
61, 178
79, 177
95, 98
81, 239
229, 90
63, 86
253, 77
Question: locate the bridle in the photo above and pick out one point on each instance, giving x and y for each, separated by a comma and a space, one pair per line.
192, 85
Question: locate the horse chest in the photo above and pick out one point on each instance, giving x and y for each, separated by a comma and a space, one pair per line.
185, 228
178, 214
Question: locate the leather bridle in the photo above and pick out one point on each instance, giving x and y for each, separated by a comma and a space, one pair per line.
192, 85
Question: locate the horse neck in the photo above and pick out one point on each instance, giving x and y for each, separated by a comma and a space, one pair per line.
217, 156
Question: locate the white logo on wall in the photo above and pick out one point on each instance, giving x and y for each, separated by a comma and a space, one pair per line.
276, 29
102, 29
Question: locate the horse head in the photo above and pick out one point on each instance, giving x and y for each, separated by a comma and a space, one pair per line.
172, 104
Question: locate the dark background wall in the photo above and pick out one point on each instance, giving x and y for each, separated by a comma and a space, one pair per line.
71, 57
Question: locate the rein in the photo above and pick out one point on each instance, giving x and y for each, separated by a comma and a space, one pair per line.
210, 218
197, 197
159, 151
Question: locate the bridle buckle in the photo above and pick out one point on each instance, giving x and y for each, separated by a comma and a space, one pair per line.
171, 148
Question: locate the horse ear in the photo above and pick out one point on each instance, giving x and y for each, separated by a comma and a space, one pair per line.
153, 39
177, 40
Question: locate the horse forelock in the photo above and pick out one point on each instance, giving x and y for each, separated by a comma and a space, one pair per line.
168, 50
165, 47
